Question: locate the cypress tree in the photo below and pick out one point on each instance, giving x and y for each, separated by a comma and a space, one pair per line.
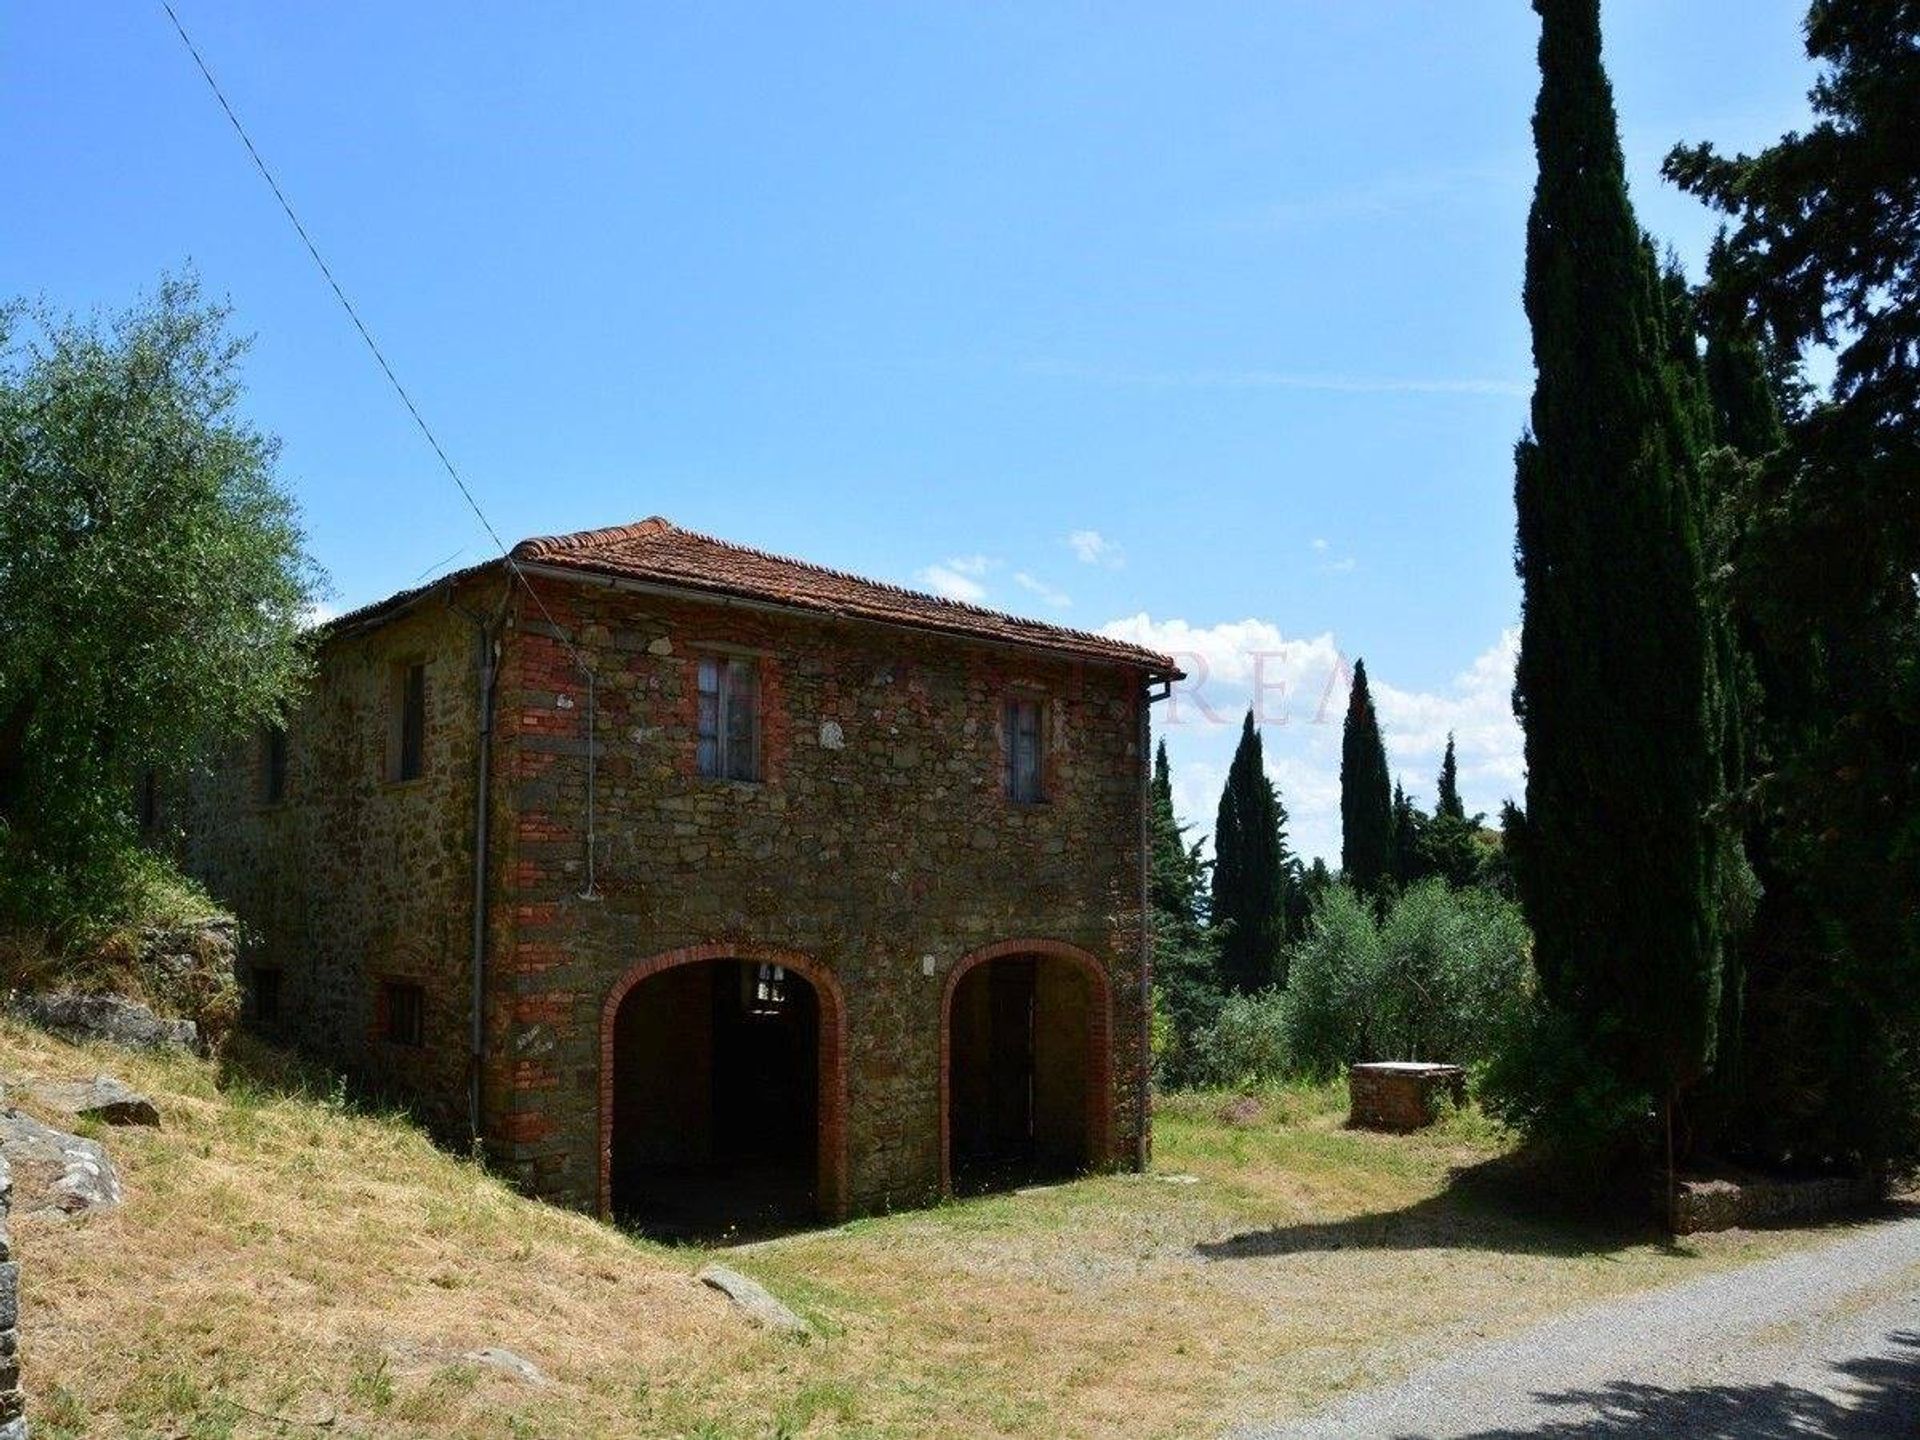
1366, 798
1185, 983
1409, 839
1449, 802
1249, 872
1614, 685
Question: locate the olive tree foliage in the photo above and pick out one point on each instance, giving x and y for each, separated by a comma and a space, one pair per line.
153, 581
1425, 982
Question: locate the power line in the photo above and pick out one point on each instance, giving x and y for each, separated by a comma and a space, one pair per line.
373, 346
380, 359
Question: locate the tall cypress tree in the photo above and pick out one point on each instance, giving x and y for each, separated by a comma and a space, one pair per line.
1449, 802
1250, 872
1409, 839
1366, 796
1184, 975
1614, 685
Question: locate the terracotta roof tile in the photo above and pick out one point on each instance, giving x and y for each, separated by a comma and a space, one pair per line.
656, 552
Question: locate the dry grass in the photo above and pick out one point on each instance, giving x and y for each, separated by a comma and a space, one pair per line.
287, 1265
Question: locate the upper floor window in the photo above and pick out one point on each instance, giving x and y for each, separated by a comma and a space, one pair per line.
1023, 751
273, 764
729, 718
407, 754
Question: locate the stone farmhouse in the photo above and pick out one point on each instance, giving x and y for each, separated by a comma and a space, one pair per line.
706, 887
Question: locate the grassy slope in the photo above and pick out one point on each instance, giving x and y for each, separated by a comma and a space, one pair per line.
285, 1266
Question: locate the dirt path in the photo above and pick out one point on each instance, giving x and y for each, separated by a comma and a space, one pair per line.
1821, 1343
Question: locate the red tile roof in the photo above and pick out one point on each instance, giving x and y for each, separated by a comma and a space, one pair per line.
656, 552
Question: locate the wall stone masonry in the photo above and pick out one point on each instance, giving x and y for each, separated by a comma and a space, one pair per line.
13, 1401
1402, 1094
877, 852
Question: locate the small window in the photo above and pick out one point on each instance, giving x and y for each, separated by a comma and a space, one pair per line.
273, 764
264, 995
409, 755
403, 1013
1023, 752
729, 719
147, 802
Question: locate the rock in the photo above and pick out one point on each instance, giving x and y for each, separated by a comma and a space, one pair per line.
754, 1299
102, 1098
81, 1018
54, 1172
508, 1363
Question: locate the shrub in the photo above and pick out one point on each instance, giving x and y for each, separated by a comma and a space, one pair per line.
1246, 1046
1428, 983
1332, 974
1451, 963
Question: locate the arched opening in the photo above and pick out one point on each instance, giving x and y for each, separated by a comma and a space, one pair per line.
719, 1096
1026, 1088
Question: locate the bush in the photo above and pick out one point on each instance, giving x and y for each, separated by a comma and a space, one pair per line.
1246, 1046
1451, 963
1542, 1080
1430, 982
1331, 975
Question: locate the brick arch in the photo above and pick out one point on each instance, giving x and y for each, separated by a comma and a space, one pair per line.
1099, 1071
832, 1164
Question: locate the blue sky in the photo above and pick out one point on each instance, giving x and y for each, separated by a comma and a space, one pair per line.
1200, 323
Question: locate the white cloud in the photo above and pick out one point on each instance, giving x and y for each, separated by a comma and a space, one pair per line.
1318, 543
1343, 566
1478, 708
1059, 599
1297, 687
1093, 548
958, 578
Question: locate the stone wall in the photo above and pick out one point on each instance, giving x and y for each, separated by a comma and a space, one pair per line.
1402, 1094
352, 878
876, 852
13, 1401
879, 844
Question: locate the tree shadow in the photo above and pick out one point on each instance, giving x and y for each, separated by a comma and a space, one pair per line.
1883, 1401
1512, 1205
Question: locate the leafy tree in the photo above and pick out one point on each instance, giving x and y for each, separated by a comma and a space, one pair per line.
1366, 799
1330, 1000
1824, 254
1250, 871
1185, 975
1429, 981
152, 582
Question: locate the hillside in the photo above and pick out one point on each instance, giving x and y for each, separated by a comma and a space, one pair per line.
286, 1264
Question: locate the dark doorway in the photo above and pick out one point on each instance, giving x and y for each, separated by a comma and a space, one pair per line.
1018, 1088
715, 1135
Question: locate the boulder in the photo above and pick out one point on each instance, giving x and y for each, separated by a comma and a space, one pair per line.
83, 1018
102, 1098
54, 1172
753, 1298
508, 1363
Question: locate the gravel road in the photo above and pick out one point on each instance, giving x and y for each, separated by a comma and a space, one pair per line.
1822, 1343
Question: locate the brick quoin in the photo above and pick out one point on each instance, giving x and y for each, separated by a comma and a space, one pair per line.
832, 1168
1099, 1072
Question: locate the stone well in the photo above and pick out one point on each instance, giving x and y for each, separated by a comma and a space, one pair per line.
1401, 1094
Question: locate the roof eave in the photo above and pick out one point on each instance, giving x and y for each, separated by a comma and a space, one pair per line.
581, 571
